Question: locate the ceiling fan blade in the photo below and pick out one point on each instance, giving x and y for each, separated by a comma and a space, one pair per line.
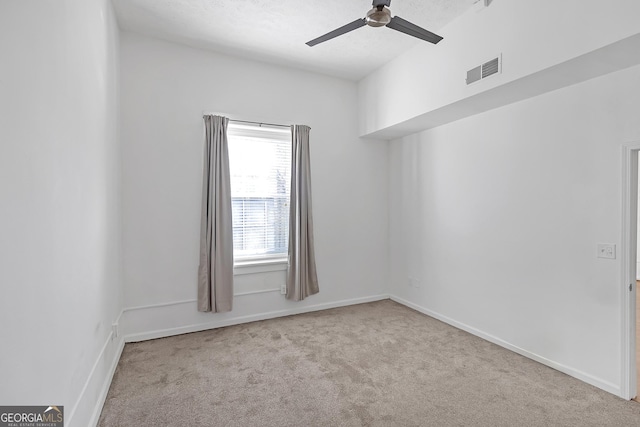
338, 32
407, 27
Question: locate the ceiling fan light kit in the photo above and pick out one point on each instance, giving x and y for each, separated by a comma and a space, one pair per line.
380, 16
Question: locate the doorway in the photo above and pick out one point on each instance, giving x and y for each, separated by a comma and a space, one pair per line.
630, 301
635, 300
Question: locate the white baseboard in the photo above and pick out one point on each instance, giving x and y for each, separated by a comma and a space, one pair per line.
582, 376
104, 390
88, 407
184, 317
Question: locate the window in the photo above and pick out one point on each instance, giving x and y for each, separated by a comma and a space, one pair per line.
259, 164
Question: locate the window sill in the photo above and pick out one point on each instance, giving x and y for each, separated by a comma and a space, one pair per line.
259, 266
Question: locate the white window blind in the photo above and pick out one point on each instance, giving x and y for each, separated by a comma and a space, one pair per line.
260, 168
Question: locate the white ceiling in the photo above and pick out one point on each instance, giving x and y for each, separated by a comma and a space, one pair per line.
276, 30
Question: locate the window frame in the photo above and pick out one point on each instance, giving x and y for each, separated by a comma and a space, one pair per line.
268, 262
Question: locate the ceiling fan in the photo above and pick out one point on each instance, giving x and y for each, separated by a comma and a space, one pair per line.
379, 16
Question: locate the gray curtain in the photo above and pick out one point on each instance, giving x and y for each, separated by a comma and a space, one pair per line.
215, 274
302, 279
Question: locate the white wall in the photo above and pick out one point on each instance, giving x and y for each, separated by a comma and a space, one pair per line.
59, 190
498, 217
543, 45
165, 89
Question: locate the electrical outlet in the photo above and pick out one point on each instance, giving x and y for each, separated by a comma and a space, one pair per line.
114, 330
606, 251
283, 289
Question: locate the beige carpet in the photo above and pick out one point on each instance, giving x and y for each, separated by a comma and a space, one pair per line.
378, 364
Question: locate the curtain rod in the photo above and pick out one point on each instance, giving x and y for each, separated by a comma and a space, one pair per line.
205, 113
259, 123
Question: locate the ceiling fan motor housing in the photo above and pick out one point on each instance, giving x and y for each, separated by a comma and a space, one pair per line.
378, 17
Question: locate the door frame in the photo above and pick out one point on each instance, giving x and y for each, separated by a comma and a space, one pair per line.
628, 255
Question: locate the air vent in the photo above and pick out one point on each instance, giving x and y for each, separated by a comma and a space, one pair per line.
490, 68
485, 70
